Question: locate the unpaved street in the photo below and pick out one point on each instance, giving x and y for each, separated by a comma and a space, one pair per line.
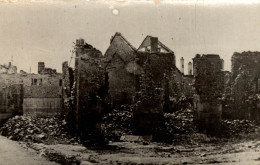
242, 153
12, 153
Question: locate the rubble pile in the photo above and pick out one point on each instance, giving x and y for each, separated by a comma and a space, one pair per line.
117, 123
236, 127
34, 129
60, 158
180, 121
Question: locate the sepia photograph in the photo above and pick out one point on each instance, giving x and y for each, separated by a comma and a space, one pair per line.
129, 82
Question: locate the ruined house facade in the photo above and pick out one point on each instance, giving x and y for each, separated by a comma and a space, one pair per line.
124, 63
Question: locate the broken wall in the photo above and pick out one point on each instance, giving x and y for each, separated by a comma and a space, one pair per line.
153, 89
209, 88
90, 91
245, 84
188, 90
67, 89
121, 81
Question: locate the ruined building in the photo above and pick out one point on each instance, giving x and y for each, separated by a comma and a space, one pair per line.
146, 77
30, 94
245, 83
124, 62
133, 74
209, 87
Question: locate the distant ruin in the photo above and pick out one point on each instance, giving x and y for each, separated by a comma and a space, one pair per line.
30, 94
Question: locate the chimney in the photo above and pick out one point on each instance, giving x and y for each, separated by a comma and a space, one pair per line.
10, 64
189, 68
182, 65
154, 44
80, 42
41, 67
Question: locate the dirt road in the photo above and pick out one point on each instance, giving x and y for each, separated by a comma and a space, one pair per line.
12, 153
228, 153
244, 153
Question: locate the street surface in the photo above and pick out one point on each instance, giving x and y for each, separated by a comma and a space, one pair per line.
12, 153
228, 153
245, 152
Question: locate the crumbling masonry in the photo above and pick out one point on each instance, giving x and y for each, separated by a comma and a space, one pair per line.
209, 87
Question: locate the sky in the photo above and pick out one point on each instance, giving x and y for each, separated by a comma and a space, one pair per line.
45, 30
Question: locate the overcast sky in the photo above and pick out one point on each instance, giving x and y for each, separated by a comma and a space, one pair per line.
40, 31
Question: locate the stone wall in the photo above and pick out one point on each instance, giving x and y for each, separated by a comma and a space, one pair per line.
90, 91
67, 79
121, 82
149, 101
209, 79
67, 90
248, 60
161, 67
209, 89
12, 100
245, 83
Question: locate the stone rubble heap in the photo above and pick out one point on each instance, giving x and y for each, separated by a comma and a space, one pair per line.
180, 121
236, 127
39, 130
117, 123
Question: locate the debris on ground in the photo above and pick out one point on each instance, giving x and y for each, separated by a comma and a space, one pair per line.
236, 127
35, 129
117, 123
180, 121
